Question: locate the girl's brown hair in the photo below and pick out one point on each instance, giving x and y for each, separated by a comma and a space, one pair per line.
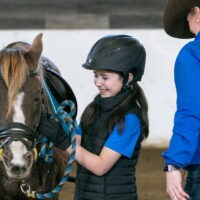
135, 98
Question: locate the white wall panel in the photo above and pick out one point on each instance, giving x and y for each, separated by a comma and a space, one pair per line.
68, 50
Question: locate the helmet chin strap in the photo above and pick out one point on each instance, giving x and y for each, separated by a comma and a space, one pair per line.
125, 79
126, 83
129, 84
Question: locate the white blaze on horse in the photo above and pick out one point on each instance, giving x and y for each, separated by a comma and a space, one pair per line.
22, 99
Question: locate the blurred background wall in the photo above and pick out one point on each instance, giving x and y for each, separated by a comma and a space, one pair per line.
71, 27
80, 14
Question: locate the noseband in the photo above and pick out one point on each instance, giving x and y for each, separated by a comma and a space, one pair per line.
17, 132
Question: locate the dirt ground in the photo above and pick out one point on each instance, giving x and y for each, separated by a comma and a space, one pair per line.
150, 177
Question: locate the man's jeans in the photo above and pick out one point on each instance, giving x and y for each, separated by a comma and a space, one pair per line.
192, 186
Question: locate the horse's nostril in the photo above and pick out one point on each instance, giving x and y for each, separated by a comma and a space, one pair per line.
28, 155
6, 158
29, 158
17, 169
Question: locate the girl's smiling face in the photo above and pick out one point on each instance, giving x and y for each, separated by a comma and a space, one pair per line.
109, 83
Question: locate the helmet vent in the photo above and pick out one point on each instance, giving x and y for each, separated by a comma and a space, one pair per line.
114, 51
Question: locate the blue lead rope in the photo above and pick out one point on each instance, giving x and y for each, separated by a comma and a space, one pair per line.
47, 150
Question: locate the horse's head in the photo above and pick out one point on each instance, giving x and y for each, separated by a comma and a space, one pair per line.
20, 105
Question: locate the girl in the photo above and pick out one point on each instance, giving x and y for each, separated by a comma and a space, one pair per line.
113, 125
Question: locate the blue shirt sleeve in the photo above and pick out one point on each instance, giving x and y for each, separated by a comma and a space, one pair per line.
124, 143
185, 138
79, 131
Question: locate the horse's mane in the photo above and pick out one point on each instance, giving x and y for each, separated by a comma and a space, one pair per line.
14, 70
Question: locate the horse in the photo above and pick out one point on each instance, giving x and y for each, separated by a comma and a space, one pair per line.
22, 99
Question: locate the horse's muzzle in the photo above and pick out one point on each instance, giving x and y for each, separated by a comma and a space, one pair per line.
17, 160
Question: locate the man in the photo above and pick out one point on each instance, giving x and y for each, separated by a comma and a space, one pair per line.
182, 20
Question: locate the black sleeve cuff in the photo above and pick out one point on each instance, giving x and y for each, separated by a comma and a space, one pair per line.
64, 144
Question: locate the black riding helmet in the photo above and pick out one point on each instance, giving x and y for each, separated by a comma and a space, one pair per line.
119, 53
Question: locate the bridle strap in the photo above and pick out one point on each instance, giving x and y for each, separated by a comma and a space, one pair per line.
16, 129
31, 74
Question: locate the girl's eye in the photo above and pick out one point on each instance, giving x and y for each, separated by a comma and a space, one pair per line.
105, 77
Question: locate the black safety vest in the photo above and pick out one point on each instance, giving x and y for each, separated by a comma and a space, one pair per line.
119, 182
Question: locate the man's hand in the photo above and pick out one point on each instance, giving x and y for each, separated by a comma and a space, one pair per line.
174, 186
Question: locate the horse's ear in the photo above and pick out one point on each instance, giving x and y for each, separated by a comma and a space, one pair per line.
35, 49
